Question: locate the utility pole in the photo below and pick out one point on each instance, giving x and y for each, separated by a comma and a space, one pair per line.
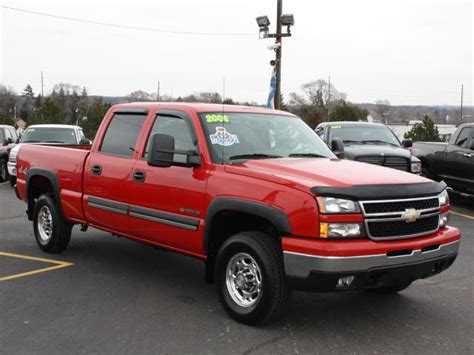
329, 97
462, 101
42, 92
278, 42
158, 92
287, 21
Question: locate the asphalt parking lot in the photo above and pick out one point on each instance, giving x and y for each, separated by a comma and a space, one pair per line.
111, 295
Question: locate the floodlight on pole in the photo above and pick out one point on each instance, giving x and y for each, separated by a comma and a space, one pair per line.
263, 22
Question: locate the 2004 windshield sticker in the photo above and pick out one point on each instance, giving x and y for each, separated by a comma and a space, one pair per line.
224, 138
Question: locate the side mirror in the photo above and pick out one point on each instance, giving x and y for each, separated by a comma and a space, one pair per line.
407, 143
161, 150
162, 153
471, 144
337, 146
85, 141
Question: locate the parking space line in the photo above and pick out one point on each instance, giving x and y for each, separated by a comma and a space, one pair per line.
462, 215
4, 183
58, 265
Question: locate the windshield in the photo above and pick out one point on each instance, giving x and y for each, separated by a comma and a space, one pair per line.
49, 135
363, 134
243, 136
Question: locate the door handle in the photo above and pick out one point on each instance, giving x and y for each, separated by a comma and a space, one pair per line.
139, 176
96, 170
467, 155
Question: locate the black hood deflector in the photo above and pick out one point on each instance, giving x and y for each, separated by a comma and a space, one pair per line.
381, 192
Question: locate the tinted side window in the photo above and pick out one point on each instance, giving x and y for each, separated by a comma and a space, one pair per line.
463, 137
176, 127
121, 136
2, 137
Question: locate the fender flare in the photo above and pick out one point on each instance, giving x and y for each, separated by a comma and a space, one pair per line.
53, 179
274, 215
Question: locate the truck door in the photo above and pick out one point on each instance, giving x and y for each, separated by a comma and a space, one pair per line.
168, 203
107, 174
459, 162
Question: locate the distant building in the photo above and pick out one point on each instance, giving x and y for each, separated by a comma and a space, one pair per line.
445, 130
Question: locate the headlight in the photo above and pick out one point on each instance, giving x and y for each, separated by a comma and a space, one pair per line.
416, 167
443, 198
443, 219
337, 205
12, 156
340, 230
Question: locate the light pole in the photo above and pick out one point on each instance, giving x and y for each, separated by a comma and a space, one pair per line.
263, 22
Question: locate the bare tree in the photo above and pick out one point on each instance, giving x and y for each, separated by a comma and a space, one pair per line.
316, 101
383, 109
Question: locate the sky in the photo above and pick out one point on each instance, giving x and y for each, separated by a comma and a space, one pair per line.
407, 52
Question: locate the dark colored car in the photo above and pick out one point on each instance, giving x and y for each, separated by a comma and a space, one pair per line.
8, 138
372, 143
452, 162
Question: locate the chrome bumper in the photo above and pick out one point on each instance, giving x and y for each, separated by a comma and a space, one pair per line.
301, 265
11, 167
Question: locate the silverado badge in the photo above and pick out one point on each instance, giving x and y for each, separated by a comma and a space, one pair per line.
411, 215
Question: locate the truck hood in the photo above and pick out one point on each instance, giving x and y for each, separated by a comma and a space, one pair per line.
307, 173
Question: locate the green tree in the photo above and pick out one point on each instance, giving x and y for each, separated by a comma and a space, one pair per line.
94, 117
425, 131
347, 112
4, 119
51, 112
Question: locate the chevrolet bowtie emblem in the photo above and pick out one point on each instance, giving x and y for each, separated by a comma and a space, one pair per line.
411, 215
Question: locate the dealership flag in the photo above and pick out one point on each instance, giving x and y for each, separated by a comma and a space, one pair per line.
271, 95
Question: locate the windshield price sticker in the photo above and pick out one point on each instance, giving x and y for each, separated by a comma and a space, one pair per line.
217, 118
335, 126
224, 138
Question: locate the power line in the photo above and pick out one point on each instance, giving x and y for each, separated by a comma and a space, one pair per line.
149, 29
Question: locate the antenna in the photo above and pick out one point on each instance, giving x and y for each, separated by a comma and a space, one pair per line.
223, 109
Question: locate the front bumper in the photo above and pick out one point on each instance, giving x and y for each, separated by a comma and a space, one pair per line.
11, 168
380, 263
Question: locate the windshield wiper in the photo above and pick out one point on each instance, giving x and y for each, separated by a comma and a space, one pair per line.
306, 155
350, 141
54, 142
379, 141
254, 156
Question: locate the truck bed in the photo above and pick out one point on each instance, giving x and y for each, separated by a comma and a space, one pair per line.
66, 162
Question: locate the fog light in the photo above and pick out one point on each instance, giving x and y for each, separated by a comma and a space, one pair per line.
345, 282
443, 220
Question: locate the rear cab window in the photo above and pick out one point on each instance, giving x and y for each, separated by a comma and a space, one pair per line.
464, 137
120, 139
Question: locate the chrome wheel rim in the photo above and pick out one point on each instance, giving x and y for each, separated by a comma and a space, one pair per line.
244, 280
45, 224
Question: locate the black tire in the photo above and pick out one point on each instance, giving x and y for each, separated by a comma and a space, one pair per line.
3, 170
391, 288
12, 181
60, 230
267, 254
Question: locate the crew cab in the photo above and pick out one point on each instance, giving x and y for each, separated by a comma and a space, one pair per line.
372, 143
452, 162
8, 139
252, 192
50, 134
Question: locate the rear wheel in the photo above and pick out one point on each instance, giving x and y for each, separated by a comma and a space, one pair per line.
250, 278
3, 170
52, 232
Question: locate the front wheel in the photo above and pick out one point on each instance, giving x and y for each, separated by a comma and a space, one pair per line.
250, 278
3, 170
52, 232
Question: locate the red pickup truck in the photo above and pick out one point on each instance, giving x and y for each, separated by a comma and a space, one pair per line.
254, 193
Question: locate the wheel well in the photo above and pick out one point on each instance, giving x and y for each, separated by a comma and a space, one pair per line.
37, 185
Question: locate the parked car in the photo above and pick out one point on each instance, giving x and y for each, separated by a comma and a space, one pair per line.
51, 134
252, 192
452, 162
372, 143
8, 139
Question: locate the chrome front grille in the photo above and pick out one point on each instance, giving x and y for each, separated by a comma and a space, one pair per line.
393, 219
398, 163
